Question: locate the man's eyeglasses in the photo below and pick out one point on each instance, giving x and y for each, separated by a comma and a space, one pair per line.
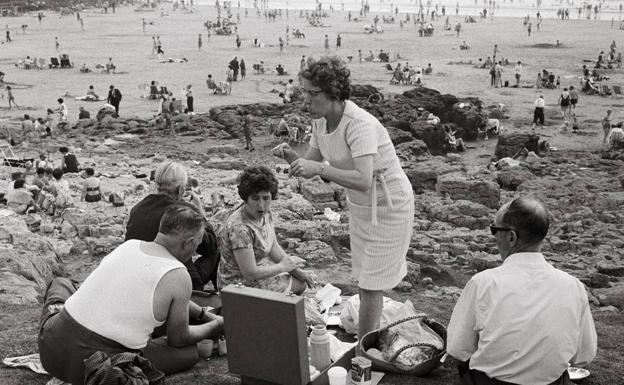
496, 229
311, 92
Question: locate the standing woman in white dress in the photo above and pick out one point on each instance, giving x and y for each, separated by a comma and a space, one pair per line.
351, 147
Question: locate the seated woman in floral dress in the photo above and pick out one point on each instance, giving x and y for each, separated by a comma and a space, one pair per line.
250, 254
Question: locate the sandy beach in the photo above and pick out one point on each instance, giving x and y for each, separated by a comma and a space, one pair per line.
583, 189
120, 37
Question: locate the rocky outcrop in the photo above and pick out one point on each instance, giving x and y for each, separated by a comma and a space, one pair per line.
424, 174
511, 178
509, 143
28, 262
480, 191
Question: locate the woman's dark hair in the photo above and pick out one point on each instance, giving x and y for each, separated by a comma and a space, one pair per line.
63, 149
19, 183
331, 74
57, 173
41, 170
60, 100
90, 171
256, 179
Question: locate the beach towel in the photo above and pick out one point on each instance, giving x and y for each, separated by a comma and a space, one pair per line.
30, 361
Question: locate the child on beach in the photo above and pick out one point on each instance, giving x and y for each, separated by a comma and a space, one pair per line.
11, 97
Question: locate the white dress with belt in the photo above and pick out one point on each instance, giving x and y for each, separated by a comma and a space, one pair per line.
381, 219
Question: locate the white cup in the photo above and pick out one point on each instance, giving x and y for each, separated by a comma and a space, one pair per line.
205, 348
337, 376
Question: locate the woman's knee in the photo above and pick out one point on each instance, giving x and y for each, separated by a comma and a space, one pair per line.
297, 286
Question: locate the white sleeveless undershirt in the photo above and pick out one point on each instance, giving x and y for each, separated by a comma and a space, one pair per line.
117, 299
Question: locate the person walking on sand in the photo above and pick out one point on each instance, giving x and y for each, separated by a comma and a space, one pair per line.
498, 69
189, 100
199, 42
326, 43
338, 41
159, 46
114, 97
573, 99
57, 45
243, 69
538, 112
564, 103
518, 72
144, 23
281, 44
154, 45
10, 96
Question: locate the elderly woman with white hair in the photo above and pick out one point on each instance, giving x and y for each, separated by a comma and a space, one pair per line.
171, 179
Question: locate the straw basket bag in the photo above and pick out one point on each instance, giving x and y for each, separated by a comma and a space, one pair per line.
371, 340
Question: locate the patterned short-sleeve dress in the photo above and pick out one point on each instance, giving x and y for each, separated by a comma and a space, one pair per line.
381, 219
240, 232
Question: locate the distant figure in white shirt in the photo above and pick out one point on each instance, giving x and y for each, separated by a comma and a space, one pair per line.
518, 72
538, 112
525, 321
62, 110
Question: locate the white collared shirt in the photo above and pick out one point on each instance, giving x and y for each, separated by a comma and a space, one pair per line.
540, 102
523, 322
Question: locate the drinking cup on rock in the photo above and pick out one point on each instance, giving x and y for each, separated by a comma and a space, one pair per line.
337, 376
205, 348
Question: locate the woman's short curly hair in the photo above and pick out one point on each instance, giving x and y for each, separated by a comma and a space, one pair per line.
257, 179
330, 73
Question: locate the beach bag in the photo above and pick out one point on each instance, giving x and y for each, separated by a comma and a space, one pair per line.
350, 315
417, 348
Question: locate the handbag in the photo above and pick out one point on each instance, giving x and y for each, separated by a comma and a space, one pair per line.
436, 355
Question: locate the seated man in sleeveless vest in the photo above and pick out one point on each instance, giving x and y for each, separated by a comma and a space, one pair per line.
101, 316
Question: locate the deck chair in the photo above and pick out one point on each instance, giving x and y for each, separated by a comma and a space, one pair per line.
65, 63
154, 94
42, 63
54, 63
605, 90
9, 158
617, 91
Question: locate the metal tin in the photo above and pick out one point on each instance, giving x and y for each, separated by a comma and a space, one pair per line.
361, 371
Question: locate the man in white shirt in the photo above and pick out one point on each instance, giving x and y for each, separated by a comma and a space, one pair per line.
525, 321
518, 72
102, 315
538, 112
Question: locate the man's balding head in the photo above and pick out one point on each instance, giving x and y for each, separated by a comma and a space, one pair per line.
523, 224
529, 217
181, 218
